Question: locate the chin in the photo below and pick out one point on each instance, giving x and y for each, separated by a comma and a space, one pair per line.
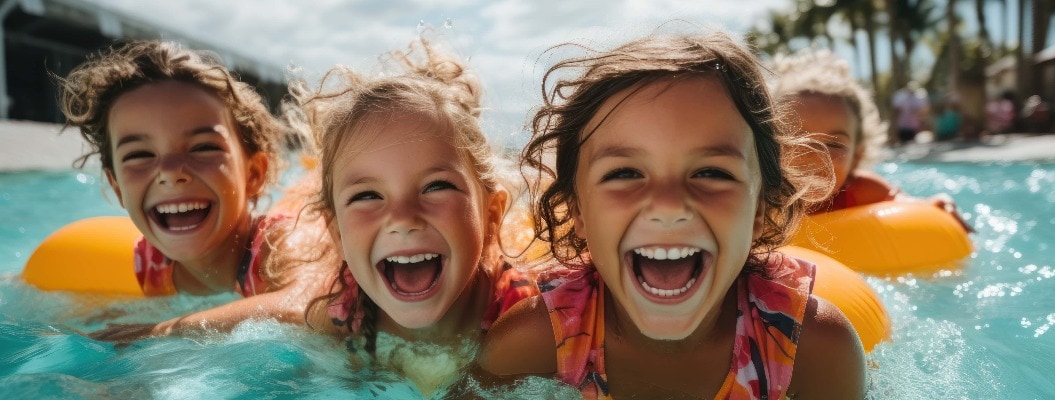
416, 320
666, 328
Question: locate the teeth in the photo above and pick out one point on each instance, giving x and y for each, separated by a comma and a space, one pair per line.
173, 208
666, 292
412, 259
659, 253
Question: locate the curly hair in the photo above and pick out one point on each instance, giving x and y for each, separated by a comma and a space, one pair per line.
428, 83
560, 126
820, 72
90, 90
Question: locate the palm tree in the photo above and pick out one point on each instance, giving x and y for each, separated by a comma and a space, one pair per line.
860, 15
908, 21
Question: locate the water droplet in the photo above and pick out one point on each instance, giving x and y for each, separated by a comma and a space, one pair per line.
82, 178
448, 24
421, 26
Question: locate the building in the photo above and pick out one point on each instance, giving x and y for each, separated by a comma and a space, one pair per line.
44, 37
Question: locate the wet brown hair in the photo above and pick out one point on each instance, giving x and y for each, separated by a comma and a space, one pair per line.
90, 90
569, 104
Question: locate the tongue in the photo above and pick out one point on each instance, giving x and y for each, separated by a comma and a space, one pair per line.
185, 219
666, 274
415, 277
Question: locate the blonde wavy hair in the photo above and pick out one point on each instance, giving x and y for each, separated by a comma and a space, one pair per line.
427, 82
820, 72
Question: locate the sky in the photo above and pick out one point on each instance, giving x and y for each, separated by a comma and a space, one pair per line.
504, 41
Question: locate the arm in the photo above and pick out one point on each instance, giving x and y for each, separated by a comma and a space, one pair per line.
519, 344
291, 287
870, 188
830, 361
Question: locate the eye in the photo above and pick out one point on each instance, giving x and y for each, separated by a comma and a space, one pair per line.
136, 155
364, 196
713, 173
835, 145
621, 174
439, 185
206, 147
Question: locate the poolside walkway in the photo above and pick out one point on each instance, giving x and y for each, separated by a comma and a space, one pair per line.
28, 145
993, 148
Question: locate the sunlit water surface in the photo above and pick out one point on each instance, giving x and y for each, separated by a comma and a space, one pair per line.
982, 331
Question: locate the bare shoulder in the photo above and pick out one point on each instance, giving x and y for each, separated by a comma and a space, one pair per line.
520, 342
830, 362
869, 187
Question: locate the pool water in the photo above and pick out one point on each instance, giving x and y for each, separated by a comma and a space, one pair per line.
982, 331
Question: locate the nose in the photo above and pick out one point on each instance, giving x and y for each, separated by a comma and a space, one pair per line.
669, 206
173, 170
405, 217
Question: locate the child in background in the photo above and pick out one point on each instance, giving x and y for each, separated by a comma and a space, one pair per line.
835, 110
188, 151
413, 197
670, 193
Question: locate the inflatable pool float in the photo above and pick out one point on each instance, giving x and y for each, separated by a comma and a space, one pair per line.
93, 255
845, 289
887, 238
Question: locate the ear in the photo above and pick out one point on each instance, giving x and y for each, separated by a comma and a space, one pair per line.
335, 233
113, 184
576, 218
496, 210
760, 220
256, 174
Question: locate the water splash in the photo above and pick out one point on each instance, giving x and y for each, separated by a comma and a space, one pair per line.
448, 24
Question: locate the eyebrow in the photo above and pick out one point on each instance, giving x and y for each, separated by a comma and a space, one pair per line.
137, 137
719, 150
360, 179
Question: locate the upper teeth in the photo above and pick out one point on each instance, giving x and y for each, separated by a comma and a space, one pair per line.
659, 253
412, 259
181, 207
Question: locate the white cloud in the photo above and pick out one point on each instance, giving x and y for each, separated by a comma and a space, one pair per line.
504, 40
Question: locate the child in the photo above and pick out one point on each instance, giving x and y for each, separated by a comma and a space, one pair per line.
836, 111
188, 150
413, 198
669, 169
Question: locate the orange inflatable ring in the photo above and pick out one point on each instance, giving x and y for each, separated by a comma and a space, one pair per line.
93, 255
846, 289
887, 238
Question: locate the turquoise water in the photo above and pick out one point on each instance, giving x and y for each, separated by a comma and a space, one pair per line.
983, 331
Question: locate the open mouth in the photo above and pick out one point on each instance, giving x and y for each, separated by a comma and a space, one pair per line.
412, 276
667, 273
182, 216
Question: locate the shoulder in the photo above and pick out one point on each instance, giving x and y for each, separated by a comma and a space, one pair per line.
830, 360
520, 342
868, 187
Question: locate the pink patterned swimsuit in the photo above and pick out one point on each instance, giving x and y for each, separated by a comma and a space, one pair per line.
154, 270
769, 320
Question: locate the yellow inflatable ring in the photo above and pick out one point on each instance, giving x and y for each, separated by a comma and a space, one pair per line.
845, 289
887, 238
93, 255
